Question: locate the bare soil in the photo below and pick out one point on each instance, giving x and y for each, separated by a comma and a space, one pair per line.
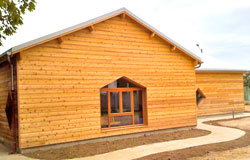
237, 154
89, 149
215, 151
243, 123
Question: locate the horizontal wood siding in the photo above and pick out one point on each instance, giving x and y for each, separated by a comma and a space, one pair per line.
6, 135
223, 91
59, 84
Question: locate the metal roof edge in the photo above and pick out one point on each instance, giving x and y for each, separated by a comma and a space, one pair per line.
221, 70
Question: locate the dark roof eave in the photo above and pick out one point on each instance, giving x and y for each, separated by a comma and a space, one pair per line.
4, 55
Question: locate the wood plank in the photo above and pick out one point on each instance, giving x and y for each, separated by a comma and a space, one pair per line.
224, 92
6, 135
59, 84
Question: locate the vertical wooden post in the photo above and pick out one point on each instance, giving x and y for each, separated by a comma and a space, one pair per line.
132, 105
91, 28
123, 16
173, 48
120, 104
152, 35
109, 110
144, 100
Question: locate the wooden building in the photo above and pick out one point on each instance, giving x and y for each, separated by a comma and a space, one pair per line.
112, 75
221, 91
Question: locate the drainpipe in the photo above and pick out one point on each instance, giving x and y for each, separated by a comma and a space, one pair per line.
9, 54
12, 69
198, 66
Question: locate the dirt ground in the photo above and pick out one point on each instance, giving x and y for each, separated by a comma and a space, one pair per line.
243, 124
236, 149
237, 154
90, 149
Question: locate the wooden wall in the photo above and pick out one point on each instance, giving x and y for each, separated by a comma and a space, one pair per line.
223, 91
6, 135
59, 84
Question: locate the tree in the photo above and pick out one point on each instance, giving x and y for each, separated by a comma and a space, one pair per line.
247, 79
11, 12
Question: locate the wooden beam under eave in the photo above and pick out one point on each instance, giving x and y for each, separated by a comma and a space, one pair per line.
173, 48
91, 28
123, 16
60, 40
152, 35
20, 56
196, 62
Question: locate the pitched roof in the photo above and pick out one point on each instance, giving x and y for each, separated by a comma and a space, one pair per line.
88, 23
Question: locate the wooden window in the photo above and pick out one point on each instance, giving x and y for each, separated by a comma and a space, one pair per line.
104, 109
138, 107
122, 104
9, 110
199, 96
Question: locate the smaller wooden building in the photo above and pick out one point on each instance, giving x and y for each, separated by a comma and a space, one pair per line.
219, 91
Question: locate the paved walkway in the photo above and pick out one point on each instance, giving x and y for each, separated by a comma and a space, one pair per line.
219, 134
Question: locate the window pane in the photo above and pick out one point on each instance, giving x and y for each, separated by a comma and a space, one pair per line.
138, 107
123, 83
198, 97
121, 121
104, 109
120, 83
114, 102
126, 101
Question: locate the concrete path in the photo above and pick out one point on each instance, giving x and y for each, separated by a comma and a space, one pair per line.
219, 134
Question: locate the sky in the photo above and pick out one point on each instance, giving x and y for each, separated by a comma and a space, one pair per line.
220, 27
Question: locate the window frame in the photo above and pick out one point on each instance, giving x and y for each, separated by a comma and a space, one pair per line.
121, 113
202, 97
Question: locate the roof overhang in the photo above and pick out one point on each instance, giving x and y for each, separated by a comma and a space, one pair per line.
3, 57
91, 22
221, 71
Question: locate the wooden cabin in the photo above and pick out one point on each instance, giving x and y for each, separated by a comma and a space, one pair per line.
219, 91
109, 76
